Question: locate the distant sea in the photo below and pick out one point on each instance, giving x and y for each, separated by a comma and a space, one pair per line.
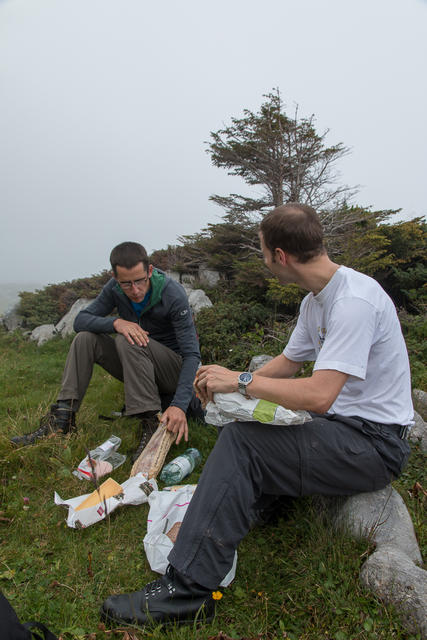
9, 293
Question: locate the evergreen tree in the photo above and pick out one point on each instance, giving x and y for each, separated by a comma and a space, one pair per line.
282, 154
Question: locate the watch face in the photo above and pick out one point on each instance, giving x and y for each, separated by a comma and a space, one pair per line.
245, 377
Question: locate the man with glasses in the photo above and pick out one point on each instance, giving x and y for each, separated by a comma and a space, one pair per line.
155, 351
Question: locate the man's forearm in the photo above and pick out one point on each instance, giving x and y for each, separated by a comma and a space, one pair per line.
316, 393
279, 367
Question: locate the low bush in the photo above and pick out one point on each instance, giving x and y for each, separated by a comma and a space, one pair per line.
415, 332
50, 304
231, 332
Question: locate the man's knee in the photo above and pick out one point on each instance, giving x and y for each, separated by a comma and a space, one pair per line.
84, 339
124, 348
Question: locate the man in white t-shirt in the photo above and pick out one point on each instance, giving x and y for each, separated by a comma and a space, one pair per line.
359, 396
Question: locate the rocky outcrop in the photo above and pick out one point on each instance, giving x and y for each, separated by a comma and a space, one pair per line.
382, 517
259, 361
198, 300
419, 399
12, 320
43, 333
208, 277
46, 332
65, 325
392, 572
419, 431
398, 581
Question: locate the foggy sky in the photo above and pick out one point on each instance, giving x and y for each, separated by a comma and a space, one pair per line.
105, 106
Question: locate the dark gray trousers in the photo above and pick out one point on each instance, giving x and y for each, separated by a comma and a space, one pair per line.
249, 460
146, 372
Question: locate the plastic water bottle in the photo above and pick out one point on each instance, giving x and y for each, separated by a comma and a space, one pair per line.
180, 467
106, 453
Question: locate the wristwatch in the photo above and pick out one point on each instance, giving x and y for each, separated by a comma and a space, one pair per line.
244, 379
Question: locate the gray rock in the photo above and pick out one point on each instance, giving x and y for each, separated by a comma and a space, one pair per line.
382, 517
43, 333
198, 300
259, 361
65, 325
208, 277
391, 572
419, 398
419, 431
174, 275
12, 320
188, 279
397, 580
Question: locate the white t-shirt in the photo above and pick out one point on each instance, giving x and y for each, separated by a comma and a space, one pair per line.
351, 326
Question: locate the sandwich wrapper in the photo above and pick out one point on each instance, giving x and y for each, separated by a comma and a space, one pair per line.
92, 507
232, 407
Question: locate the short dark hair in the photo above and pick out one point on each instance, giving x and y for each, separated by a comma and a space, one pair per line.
295, 228
127, 255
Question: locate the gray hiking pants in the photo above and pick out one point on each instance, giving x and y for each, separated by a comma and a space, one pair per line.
146, 372
251, 461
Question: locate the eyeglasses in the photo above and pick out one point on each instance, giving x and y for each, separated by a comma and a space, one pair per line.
139, 283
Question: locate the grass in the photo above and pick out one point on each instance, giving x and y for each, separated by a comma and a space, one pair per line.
295, 579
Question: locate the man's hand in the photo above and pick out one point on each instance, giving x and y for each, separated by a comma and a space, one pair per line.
176, 421
131, 331
212, 378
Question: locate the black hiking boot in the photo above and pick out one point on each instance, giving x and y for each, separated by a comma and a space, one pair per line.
172, 598
58, 420
149, 424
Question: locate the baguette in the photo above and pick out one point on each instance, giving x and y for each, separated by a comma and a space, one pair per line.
153, 456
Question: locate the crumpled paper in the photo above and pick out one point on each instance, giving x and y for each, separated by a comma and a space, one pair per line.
135, 491
232, 407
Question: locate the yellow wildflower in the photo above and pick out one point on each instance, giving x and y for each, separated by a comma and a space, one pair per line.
216, 595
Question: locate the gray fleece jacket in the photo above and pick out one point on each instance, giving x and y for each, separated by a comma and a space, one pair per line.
167, 318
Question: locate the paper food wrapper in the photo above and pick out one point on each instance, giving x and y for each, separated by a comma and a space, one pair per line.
167, 510
131, 492
232, 407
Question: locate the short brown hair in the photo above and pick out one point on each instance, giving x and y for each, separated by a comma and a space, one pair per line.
127, 255
294, 228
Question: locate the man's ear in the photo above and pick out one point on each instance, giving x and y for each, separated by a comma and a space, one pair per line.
280, 256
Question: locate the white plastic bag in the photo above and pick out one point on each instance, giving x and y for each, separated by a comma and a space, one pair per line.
167, 510
231, 407
133, 493
104, 459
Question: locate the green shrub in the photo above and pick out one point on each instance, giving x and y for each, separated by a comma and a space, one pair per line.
232, 332
221, 329
50, 304
415, 331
